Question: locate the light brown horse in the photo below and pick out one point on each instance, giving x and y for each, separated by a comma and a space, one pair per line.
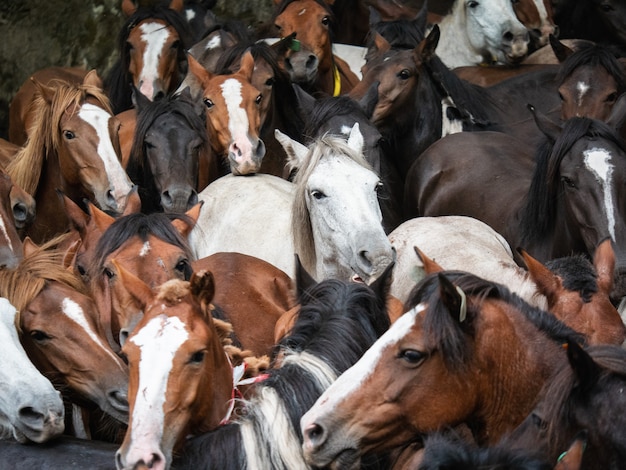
22, 203
310, 62
467, 352
59, 330
10, 242
72, 146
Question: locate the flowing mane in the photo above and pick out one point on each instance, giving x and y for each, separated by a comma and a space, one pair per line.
324, 147
446, 333
45, 133
538, 215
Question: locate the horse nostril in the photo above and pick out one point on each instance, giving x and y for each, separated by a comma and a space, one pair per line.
535, 33
508, 36
556, 31
20, 212
288, 64
193, 199
166, 198
311, 62
160, 95
118, 460
364, 258
260, 150
315, 434
118, 400
110, 197
31, 417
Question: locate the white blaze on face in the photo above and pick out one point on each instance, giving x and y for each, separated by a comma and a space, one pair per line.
119, 183
582, 89
598, 162
238, 123
75, 313
354, 377
3, 231
158, 342
154, 35
145, 249
214, 42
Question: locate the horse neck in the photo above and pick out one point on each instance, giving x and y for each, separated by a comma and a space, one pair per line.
454, 49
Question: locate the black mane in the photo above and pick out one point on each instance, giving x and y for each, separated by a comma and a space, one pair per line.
577, 273
594, 55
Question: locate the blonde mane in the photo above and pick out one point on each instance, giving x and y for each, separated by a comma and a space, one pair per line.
45, 265
44, 135
302, 230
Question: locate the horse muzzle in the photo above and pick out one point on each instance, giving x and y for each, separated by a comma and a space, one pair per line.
245, 156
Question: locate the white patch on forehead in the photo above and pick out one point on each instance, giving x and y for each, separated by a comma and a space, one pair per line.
154, 35
598, 161
3, 230
541, 9
75, 313
213, 43
356, 375
449, 126
189, 15
582, 88
98, 118
158, 342
145, 249
345, 130
302, 12
237, 117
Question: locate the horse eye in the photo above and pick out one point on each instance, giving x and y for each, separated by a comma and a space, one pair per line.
277, 27
182, 265
568, 181
404, 74
612, 97
472, 4
606, 7
270, 81
109, 273
325, 21
69, 135
38, 335
81, 269
258, 99
318, 194
208, 103
197, 357
379, 187
176, 45
412, 356
561, 97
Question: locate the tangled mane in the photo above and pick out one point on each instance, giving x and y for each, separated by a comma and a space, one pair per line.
45, 133
450, 336
577, 273
35, 272
594, 55
324, 147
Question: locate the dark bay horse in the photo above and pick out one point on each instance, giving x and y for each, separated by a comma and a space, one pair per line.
539, 200
468, 351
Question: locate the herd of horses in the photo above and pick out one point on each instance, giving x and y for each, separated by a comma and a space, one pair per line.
367, 234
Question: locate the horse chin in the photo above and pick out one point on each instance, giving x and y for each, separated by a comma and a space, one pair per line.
347, 459
242, 169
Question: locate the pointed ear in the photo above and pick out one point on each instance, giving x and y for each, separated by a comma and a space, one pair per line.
370, 100
572, 458
426, 49
46, 92
202, 286
29, 247
382, 286
306, 102
183, 226
617, 118
281, 47
304, 281
604, 262
585, 369
374, 16
69, 257
135, 287
430, 266
561, 51
177, 5
128, 7
77, 217
378, 44
102, 220
296, 152
548, 283
355, 139
421, 19
198, 71
453, 298
549, 128
93, 79
141, 101
133, 202
247, 66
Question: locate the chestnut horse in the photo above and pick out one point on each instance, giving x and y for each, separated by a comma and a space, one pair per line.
10, 242
152, 45
181, 379
468, 351
59, 329
310, 61
30, 409
72, 146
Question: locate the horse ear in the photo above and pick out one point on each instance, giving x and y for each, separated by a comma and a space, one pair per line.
604, 263
370, 100
549, 128
69, 257
247, 66
140, 100
426, 49
183, 226
102, 219
421, 19
355, 139
306, 102
135, 287
572, 458
133, 202
617, 118
177, 5
128, 7
453, 298
374, 16
296, 152
304, 281
585, 368
29, 247
93, 79
378, 44
548, 283
198, 71
561, 51
77, 217
430, 266
46, 92
202, 286
382, 286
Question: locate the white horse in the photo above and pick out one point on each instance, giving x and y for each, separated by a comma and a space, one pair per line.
479, 31
329, 215
457, 243
30, 408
